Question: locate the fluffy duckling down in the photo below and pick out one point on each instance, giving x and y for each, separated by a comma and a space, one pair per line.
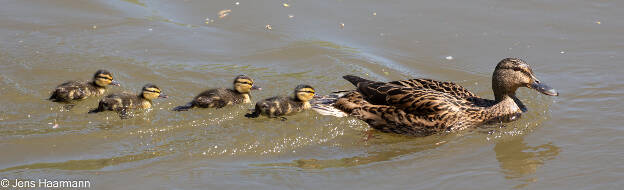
279, 106
80, 90
124, 101
221, 97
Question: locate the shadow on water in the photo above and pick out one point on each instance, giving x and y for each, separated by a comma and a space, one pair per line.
90, 164
519, 161
373, 154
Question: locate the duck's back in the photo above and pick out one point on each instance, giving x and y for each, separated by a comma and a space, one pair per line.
440, 86
278, 105
74, 90
123, 100
219, 97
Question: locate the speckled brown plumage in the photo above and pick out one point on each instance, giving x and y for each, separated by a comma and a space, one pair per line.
279, 106
79, 90
221, 97
423, 107
124, 101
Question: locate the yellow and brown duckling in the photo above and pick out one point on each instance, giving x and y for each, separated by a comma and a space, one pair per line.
221, 97
124, 101
423, 107
79, 90
279, 106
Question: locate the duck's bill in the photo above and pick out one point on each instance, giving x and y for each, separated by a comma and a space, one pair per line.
544, 89
254, 87
115, 83
163, 96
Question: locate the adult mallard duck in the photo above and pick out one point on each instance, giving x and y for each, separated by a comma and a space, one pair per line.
279, 106
79, 90
221, 97
422, 107
124, 101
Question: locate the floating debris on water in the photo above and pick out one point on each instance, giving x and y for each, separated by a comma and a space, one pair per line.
225, 12
598, 22
237, 3
285, 5
208, 21
150, 29
342, 25
268, 27
562, 52
291, 16
449, 57
374, 13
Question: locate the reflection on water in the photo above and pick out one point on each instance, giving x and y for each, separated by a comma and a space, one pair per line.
518, 160
413, 145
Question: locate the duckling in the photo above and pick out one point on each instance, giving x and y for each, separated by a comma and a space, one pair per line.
221, 97
124, 101
278, 106
79, 90
422, 107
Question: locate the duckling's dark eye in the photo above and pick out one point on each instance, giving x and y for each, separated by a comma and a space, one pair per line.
104, 78
245, 83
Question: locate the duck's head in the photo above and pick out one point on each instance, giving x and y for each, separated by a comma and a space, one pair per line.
512, 73
304, 92
104, 78
151, 92
244, 84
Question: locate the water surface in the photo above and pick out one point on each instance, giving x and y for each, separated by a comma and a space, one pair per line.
573, 141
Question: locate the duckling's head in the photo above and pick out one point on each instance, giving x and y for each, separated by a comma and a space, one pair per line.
512, 73
151, 92
304, 92
103, 78
244, 84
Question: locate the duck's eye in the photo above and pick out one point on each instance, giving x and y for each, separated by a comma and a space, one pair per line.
522, 70
248, 83
107, 78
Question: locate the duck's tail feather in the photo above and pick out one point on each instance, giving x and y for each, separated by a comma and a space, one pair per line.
354, 79
96, 110
185, 107
55, 97
324, 105
101, 107
255, 112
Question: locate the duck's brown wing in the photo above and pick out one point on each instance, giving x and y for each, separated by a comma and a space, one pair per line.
446, 87
214, 98
416, 101
390, 119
